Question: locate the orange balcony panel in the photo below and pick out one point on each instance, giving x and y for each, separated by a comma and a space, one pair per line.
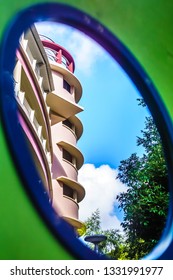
55, 118
77, 224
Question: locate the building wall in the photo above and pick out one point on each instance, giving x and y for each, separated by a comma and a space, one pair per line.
47, 93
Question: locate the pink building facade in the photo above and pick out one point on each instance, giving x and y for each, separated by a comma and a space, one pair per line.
47, 93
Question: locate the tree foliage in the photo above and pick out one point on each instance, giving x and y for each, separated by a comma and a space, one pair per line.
145, 203
110, 247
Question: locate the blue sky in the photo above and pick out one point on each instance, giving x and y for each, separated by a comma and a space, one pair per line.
111, 119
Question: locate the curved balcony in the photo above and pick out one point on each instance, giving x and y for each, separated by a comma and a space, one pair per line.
32, 86
78, 126
24, 107
68, 134
61, 108
77, 224
38, 151
70, 207
74, 185
69, 77
74, 151
70, 169
57, 53
62, 62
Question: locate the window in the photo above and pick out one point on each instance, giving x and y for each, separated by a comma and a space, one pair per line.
68, 123
67, 191
67, 156
66, 86
37, 70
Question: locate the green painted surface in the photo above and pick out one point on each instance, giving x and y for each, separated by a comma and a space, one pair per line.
146, 28
23, 235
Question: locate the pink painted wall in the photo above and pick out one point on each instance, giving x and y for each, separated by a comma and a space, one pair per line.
58, 84
63, 133
63, 205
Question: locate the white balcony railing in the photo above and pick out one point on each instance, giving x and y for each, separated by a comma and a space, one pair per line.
20, 96
36, 70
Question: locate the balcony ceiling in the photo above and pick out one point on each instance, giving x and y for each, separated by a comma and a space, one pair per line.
77, 224
62, 107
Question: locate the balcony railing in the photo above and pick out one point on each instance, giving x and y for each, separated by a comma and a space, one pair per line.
53, 55
36, 69
37, 127
57, 53
27, 107
43, 37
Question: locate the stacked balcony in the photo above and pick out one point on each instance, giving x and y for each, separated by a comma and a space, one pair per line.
66, 129
31, 84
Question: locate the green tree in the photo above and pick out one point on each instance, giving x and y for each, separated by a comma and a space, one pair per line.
110, 247
145, 203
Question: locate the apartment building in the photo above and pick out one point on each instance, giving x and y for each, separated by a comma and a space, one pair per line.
47, 93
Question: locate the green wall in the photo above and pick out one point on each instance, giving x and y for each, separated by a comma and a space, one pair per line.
145, 27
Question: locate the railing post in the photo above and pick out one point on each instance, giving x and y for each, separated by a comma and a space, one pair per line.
70, 67
59, 57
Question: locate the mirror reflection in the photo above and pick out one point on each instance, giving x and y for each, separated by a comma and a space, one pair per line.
93, 141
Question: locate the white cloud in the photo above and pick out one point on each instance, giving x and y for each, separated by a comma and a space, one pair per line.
101, 188
85, 51
43, 28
